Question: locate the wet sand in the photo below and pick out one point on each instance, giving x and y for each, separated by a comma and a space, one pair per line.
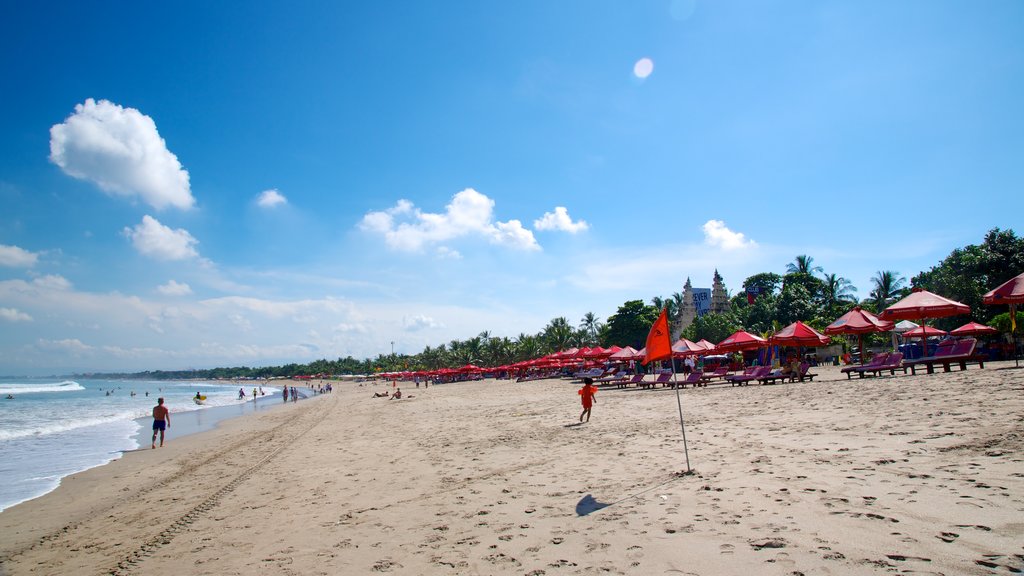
908, 474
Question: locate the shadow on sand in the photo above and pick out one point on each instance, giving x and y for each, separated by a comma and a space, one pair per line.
587, 505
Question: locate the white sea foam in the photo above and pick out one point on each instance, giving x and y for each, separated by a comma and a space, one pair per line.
15, 389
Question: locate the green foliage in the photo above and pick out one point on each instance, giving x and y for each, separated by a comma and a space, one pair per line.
763, 283
1001, 322
630, 324
967, 273
711, 327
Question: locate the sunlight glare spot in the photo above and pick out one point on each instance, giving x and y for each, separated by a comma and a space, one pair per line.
643, 67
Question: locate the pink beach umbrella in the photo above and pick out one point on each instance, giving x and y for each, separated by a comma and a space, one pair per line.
1010, 292
922, 304
973, 329
860, 322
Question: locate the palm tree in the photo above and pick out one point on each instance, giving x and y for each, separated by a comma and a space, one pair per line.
887, 284
557, 334
837, 289
803, 264
590, 325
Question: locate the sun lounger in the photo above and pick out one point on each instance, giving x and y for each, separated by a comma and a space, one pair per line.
662, 379
878, 360
893, 363
959, 353
625, 382
720, 372
804, 374
692, 378
746, 378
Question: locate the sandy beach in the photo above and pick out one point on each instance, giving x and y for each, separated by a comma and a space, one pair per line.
921, 475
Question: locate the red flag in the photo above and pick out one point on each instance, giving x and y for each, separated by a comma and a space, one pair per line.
659, 344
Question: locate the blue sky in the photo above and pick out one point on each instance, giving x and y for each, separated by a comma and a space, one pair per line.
201, 184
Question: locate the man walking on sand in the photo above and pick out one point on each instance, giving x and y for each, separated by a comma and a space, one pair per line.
161, 421
587, 396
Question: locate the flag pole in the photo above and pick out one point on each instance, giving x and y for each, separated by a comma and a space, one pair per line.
679, 403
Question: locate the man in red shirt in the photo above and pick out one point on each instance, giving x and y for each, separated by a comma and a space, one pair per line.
587, 396
161, 420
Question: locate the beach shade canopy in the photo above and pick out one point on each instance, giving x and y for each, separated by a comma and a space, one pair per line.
683, 347
858, 321
1009, 292
973, 329
741, 340
923, 332
798, 334
904, 326
624, 355
924, 304
707, 345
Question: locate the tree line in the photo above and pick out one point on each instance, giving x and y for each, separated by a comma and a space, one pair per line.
804, 292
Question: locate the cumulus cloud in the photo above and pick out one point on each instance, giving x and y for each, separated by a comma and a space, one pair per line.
717, 234
470, 213
348, 328
173, 288
17, 257
151, 238
270, 199
559, 220
120, 150
52, 282
420, 322
447, 253
14, 315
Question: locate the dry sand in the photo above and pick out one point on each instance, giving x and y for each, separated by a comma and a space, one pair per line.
921, 474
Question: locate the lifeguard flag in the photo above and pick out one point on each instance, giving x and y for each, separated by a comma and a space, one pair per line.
659, 344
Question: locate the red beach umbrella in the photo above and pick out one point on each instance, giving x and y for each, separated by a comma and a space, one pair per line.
923, 304
1010, 292
923, 332
741, 340
683, 347
973, 329
860, 322
624, 355
798, 334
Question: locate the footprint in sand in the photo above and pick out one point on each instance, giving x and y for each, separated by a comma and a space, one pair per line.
947, 536
726, 548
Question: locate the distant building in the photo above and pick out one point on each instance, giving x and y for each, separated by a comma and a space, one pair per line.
699, 301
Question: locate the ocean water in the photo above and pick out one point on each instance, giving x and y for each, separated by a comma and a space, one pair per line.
52, 428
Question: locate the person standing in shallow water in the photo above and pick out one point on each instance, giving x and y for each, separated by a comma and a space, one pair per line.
161, 421
587, 397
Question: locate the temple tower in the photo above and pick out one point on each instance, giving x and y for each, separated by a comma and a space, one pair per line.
687, 313
719, 297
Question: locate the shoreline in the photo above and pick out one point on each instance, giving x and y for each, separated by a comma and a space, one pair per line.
919, 473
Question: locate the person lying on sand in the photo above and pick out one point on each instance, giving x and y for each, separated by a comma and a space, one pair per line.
380, 394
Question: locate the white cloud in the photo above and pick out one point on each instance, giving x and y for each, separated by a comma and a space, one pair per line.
151, 238
173, 288
17, 257
52, 282
348, 328
69, 345
420, 322
270, 199
717, 234
560, 220
448, 253
470, 213
14, 315
120, 150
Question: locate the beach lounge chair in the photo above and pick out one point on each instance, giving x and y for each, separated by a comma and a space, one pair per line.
662, 379
804, 367
720, 372
625, 382
893, 363
878, 360
947, 354
693, 377
747, 377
